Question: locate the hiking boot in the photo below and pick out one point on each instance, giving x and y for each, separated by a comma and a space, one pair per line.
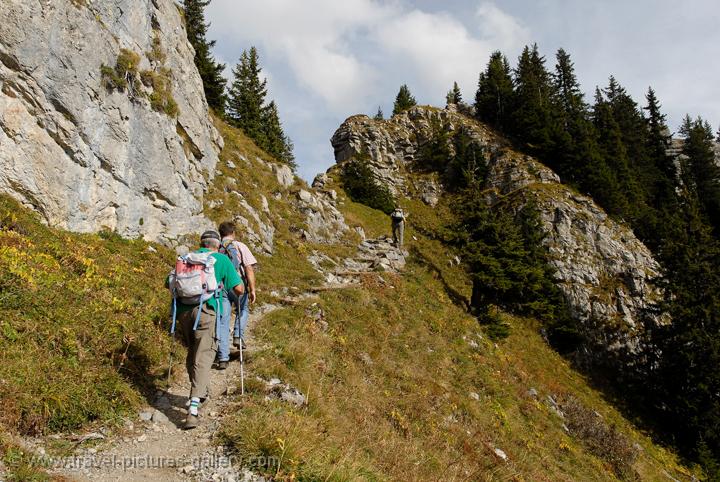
222, 365
191, 422
238, 342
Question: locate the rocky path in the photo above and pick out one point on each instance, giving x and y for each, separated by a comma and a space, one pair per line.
157, 448
373, 255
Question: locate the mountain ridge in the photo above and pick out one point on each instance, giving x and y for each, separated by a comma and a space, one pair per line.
368, 365
604, 271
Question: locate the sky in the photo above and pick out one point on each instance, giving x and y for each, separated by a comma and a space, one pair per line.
326, 60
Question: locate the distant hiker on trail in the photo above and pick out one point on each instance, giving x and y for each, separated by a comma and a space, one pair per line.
398, 226
244, 262
198, 284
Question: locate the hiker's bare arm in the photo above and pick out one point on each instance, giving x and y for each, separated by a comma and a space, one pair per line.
250, 271
239, 289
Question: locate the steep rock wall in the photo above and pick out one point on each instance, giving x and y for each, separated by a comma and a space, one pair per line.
89, 158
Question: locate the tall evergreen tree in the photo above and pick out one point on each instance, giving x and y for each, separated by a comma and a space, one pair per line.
360, 184
277, 143
493, 98
686, 380
570, 96
703, 173
657, 144
573, 151
454, 96
210, 70
247, 96
531, 117
633, 132
404, 100
247, 109
506, 260
621, 196
379, 115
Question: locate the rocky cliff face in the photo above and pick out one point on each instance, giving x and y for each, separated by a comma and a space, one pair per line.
90, 158
603, 270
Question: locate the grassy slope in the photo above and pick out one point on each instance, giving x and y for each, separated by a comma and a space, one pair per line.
389, 381
80, 326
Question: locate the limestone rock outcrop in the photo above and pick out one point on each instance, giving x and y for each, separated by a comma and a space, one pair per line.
324, 222
603, 270
87, 157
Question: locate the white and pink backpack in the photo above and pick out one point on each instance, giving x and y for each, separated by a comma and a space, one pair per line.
193, 282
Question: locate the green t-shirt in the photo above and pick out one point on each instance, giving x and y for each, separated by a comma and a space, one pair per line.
225, 273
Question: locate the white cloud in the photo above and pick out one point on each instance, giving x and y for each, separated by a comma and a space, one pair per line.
311, 38
343, 51
336, 59
501, 31
438, 49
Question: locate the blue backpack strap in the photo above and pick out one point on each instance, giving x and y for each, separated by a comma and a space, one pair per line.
218, 307
233, 253
197, 318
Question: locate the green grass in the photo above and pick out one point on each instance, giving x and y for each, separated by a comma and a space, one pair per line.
389, 383
402, 383
81, 330
409, 414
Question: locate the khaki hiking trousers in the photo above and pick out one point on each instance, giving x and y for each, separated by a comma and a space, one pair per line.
202, 347
398, 233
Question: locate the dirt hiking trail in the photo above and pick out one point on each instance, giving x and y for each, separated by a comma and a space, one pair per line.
157, 448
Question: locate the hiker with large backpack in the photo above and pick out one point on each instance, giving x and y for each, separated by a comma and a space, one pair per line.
198, 284
244, 262
398, 226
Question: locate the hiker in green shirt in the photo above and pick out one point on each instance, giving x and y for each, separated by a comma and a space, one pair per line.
202, 341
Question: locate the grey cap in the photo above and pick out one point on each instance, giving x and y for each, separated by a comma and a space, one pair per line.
210, 234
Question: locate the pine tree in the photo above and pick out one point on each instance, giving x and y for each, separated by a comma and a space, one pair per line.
686, 382
247, 109
566, 84
703, 173
277, 143
468, 165
493, 98
404, 100
506, 261
247, 97
435, 153
379, 115
210, 71
619, 196
531, 117
454, 96
360, 184
540, 296
658, 141
492, 247
633, 131
573, 152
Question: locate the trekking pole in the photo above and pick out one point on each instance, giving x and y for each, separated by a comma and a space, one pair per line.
170, 361
172, 344
227, 384
242, 372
